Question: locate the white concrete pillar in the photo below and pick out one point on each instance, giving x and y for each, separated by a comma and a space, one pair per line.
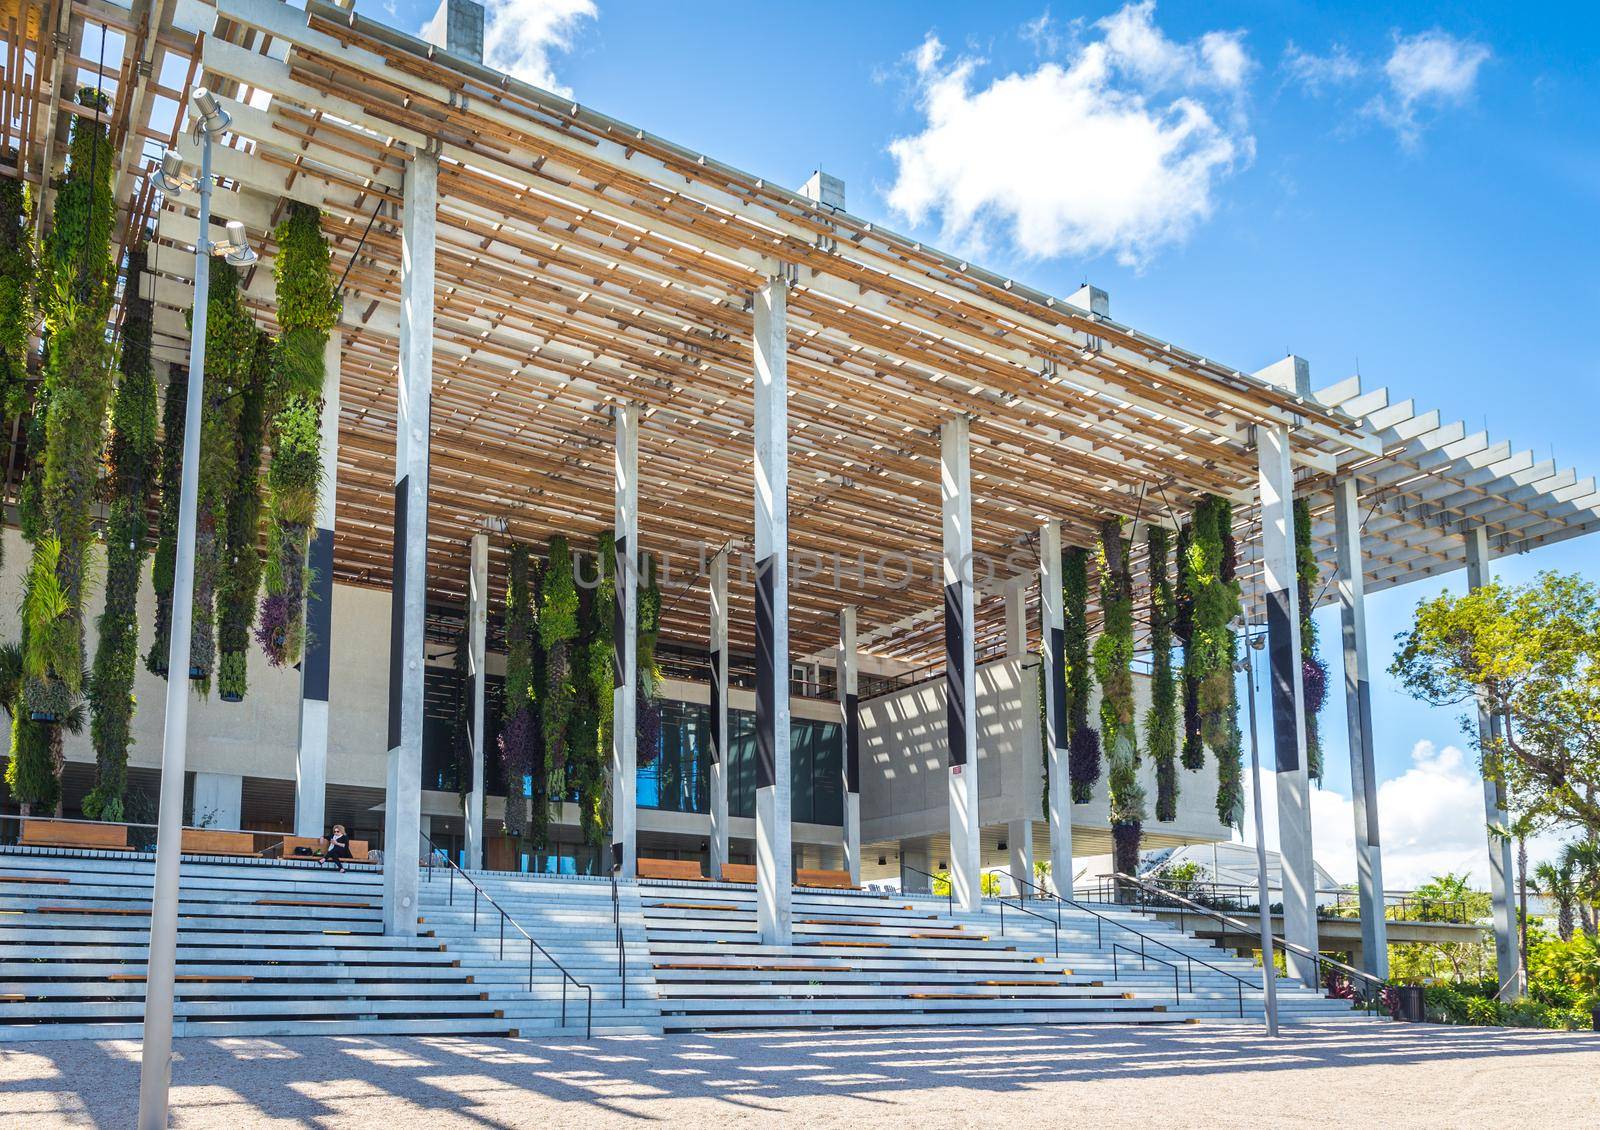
916, 864
774, 856
1053, 670
1358, 715
846, 673
1281, 586
477, 644
1502, 879
218, 801
311, 761
719, 713
402, 824
1016, 618
1019, 838
955, 492
625, 649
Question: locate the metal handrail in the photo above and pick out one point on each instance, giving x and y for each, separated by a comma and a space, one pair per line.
1177, 994
533, 943
950, 887
1189, 959
1056, 922
1378, 984
622, 950
1407, 905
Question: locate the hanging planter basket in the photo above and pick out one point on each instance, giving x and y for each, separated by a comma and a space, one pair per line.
198, 673
230, 696
44, 717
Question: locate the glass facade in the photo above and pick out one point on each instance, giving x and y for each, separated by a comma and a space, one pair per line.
816, 751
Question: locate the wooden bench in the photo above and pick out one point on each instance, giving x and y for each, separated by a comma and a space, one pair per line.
687, 870
70, 834
318, 903
52, 879
292, 844
838, 880
738, 872
210, 841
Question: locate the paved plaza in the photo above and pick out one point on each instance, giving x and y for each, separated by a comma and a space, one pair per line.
1191, 1075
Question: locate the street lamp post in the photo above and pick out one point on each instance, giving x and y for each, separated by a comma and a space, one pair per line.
1269, 964
155, 1073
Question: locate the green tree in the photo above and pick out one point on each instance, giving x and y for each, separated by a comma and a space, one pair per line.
1527, 654
1556, 879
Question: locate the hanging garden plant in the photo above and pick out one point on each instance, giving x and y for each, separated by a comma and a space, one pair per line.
170, 480
591, 760
1161, 722
133, 465
1194, 745
241, 550
1209, 568
558, 627
1313, 671
1083, 740
461, 716
308, 310
1113, 669
72, 405
521, 738
230, 352
648, 683
17, 315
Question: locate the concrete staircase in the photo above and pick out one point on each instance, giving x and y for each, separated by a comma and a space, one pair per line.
264, 949
571, 917
868, 960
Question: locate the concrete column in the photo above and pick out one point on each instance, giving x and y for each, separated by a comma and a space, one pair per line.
1016, 619
955, 492
402, 823
1358, 714
1053, 670
311, 762
916, 863
719, 713
1502, 879
218, 801
1276, 485
774, 857
846, 676
1019, 837
625, 649
477, 643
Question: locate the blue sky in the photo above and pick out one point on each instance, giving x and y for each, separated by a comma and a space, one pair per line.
1407, 191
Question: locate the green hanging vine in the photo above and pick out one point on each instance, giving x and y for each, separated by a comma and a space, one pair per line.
170, 481
461, 716
558, 627
1193, 744
308, 310
230, 353
521, 738
647, 716
16, 307
241, 553
74, 397
133, 458
1209, 576
592, 747
1083, 740
1313, 671
1161, 721
1113, 669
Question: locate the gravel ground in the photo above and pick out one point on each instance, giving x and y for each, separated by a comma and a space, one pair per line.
1351, 1074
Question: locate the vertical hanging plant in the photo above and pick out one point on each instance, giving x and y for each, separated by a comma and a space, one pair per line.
1113, 669
241, 551
170, 480
1161, 722
1194, 746
648, 712
461, 716
521, 742
16, 306
589, 769
1083, 740
308, 309
1313, 671
74, 397
133, 460
1209, 568
558, 627
230, 352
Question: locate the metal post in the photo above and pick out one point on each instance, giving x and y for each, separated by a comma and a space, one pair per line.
1269, 967
155, 1068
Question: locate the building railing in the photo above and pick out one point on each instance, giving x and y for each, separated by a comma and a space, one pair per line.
1399, 906
452, 870
949, 890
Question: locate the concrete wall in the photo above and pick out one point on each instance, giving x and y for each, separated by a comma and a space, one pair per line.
904, 786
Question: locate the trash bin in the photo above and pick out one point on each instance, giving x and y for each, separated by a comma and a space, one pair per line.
1594, 1017
1411, 1006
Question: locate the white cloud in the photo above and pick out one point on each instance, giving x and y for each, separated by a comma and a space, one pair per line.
1434, 65
1315, 73
1430, 820
1114, 150
519, 36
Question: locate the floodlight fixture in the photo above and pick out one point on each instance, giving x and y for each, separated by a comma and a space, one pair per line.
171, 178
213, 119
236, 248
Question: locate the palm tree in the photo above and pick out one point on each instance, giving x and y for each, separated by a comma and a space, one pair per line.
1556, 879
1583, 858
1525, 825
